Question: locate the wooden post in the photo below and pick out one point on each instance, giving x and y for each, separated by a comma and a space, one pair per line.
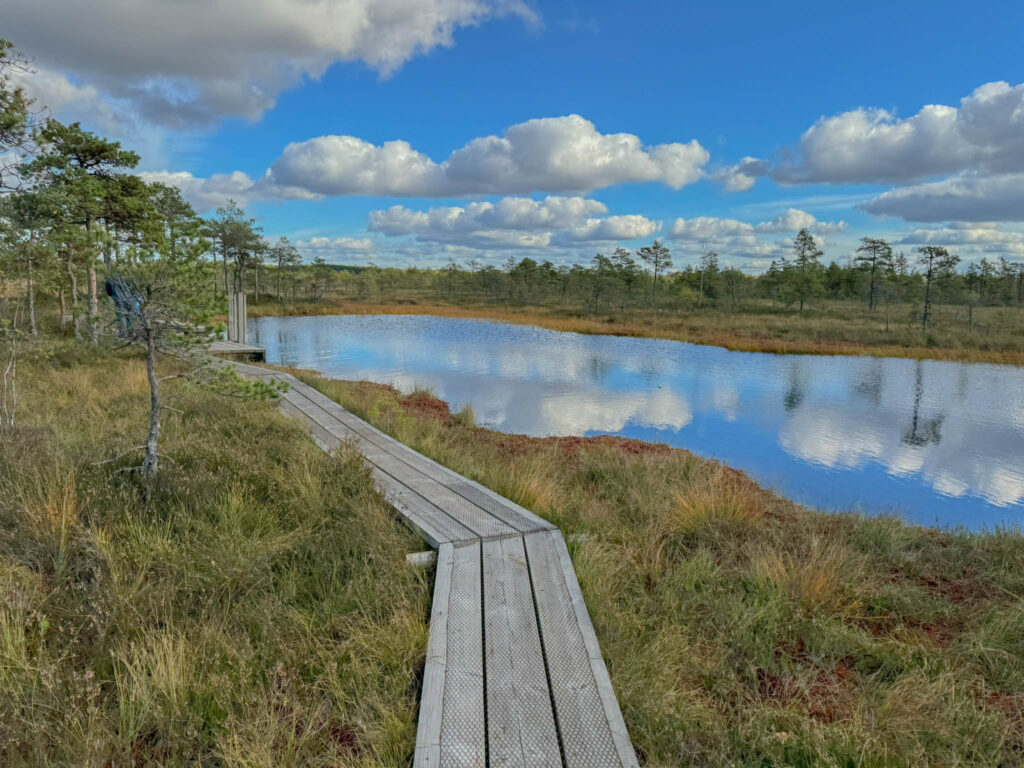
237, 315
243, 316
231, 317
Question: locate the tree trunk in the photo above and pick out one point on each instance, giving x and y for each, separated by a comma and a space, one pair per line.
925, 316
76, 319
9, 390
63, 312
224, 258
32, 327
151, 463
94, 304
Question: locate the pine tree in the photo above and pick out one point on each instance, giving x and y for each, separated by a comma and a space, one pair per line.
938, 263
874, 256
660, 259
805, 270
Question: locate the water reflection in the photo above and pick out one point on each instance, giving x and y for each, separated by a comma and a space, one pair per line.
939, 442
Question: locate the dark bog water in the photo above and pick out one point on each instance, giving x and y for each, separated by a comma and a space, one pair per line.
936, 442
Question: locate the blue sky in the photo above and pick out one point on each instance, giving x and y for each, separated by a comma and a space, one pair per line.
830, 100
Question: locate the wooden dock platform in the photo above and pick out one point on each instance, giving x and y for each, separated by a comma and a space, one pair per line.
234, 350
514, 675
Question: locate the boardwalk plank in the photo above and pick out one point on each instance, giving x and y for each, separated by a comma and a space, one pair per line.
384, 456
428, 729
463, 731
587, 740
470, 517
433, 523
520, 724
613, 715
509, 512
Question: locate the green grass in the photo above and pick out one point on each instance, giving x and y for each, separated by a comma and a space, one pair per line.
742, 629
257, 612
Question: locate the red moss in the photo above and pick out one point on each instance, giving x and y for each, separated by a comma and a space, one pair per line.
962, 590
428, 406
775, 688
347, 738
829, 699
1010, 704
940, 633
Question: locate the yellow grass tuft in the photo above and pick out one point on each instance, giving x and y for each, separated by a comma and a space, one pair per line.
717, 499
820, 578
535, 484
48, 502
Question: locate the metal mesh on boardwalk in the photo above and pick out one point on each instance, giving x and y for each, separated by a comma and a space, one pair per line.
514, 675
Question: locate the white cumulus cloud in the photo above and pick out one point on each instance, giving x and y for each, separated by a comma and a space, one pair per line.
963, 163
555, 154
188, 63
793, 220
335, 245
978, 238
789, 222
206, 193
872, 145
734, 239
741, 177
513, 222
985, 133
965, 197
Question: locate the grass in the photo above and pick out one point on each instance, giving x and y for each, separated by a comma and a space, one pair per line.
257, 612
742, 629
841, 328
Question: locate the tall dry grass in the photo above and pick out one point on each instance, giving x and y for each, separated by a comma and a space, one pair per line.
741, 629
258, 611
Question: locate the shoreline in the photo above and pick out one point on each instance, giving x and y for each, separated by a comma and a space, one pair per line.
592, 326
426, 405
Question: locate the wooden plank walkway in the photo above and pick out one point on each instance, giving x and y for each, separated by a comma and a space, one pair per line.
514, 675
237, 351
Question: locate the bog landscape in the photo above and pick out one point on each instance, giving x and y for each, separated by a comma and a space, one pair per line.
414, 383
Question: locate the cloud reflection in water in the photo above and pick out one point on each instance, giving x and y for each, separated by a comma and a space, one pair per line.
941, 442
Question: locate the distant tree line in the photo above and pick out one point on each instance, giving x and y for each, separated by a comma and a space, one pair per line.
622, 280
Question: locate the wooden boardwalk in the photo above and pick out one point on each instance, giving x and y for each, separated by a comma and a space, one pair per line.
514, 675
235, 350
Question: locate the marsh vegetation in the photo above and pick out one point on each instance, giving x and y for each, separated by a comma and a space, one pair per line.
742, 629
257, 610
